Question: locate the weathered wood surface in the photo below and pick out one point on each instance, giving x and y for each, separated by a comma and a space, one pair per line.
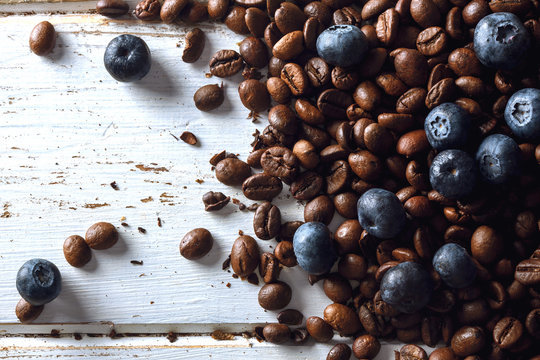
68, 130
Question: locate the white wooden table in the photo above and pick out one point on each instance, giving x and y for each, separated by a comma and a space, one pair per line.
68, 130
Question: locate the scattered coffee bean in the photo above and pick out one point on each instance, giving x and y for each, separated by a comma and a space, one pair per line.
226, 63
101, 236
76, 251
112, 8
42, 38
276, 333
319, 329
147, 10
27, 312
254, 95
266, 221
195, 40
244, 255
340, 351
171, 9
275, 296
290, 317
232, 171
209, 97
196, 244
214, 201
366, 347
188, 138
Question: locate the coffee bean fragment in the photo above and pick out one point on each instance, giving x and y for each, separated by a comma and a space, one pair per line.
214, 201
195, 41
188, 137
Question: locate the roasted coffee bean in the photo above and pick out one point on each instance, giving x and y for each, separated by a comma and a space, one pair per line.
455, 27
367, 166
520, 8
468, 340
431, 330
244, 255
418, 206
443, 353
345, 204
319, 329
289, 46
307, 186
76, 251
194, 12
412, 143
409, 335
319, 11
147, 10
340, 351
371, 322
289, 18
337, 288
254, 52
486, 244
432, 41
112, 8
332, 153
407, 37
276, 333
236, 20
278, 90
311, 31
295, 78
254, 95
473, 312
387, 26
318, 72
232, 171
272, 137
333, 103
275, 296
443, 91
344, 79
425, 13
377, 139
352, 267
507, 332
282, 118
412, 352
411, 66
101, 236
338, 177
261, 187
528, 272
366, 347
196, 244
367, 95
525, 225
217, 8
290, 317
269, 268
280, 162
195, 40
288, 229
266, 221
226, 63
306, 154
284, 252
347, 16
391, 84
256, 21
442, 301
532, 323
320, 209
171, 9
464, 62
209, 97
42, 38
27, 312
372, 63
347, 236
308, 112
342, 318
272, 35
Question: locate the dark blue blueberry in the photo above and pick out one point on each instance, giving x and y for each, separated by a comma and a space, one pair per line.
447, 126
127, 58
453, 173
342, 45
498, 158
313, 248
39, 281
522, 113
454, 265
407, 287
381, 213
501, 40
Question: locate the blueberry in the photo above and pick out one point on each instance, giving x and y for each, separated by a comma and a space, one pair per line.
501, 40
127, 58
342, 45
454, 265
447, 126
313, 248
380, 213
498, 158
522, 113
407, 287
39, 281
453, 173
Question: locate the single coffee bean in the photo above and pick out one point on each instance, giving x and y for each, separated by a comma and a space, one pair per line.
528, 272
289, 46
412, 143
347, 16
282, 118
295, 78
367, 95
391, 84
214, 201
42, 38
278, 90
318, 72
337, 288
281, 162
532, 323
338, 176
194, 12
387, 26
217, 8
275, 296
366, 165
289, 18
342, 318
468, 340
196, 244
371, 322
306, 154
101, 236
352, 267
409, 335
431, 330
412, 352
236, 20
486, 244
256, 21
311, 31
208, 97
27, 312
254, 52
171, 9
261, 187
254, 95
147, 10
288, 229
320, 209
269, 268
432, 41
319, 329
195, 40
76, 251
112, 8
442, 92
344, 79
346, 237
407, 37
345, 204
507, 332
290, 317
226, 63
366, 347
411, 66
276, 333
307, 186
244, 255
425, 13
272, 35
232, 171
319, 11
373, 62
333, 103
455, 25
266, 221
339, 351
464, 62
377, 139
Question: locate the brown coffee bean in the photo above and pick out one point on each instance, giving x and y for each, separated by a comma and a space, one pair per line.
342, 318
196, 244
340, 351
412, 352
319, 329
338, 176
443, 353
288, 229
373, 8
307, 185
289, 46
42, 38
347, 236
282, 118
276, 333
278, 90
147, 10
27, 312
441, 92
344, 79
425, 13
195, 40
486, 244
404, 254
432, 41
471, 86
312, 29
469, 105
232, 171
526, 225
318, 72
171, 9
306, 154
226, 63
377, 139
528, 272
409, 335
333, 103
345, 204
269, 268
366, 165
507, 332
532, 323
319, 11
418, 206
266, 221
438, 73
387, 26
468, 340
411, 102
284, 252
261, 187
281, 162
431, 330
236, 20
417, 175
244, 255
367, 95
318, 137
403, 7
412, 143
290, 317
337, 288
256, 21
112, 8
194, 12
366, 347
76, 251
372, 63
463, 62
352, 267
289, 18
308, 112
208, 97
519, 7
474, 11
347, 16
217, 8
410, 65
214, 201
295, 78
319, 209
254, 95
254, 52
272, 35
101, 236
455, 27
